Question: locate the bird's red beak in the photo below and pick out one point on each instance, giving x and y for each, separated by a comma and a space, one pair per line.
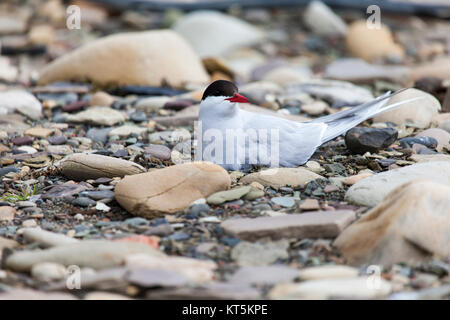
237, 98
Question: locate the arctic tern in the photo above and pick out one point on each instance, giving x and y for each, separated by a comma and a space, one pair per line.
236, 139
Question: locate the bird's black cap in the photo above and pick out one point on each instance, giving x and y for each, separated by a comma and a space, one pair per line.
220, 88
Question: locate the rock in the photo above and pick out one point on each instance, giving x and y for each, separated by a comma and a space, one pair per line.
410, 225
97, 115
39, 132
200, 29
285, 202
315, 108
100, 295
437, 68
356, 178
362, 140
126, 130
229, 195
158, 151
309, 204
47, 239
96, 254
171, 189
372, 190
284, 75
169, 60
41, 35
322, 20
193, 269
208, 291
60, 149
30, 223
21, 101
149, 278
264, 275
64, 190
338, 93
319, 224
98, 135
417, 113
7, 213
357, 70
48, 271
328, 272
442, 137
429, 157
279, 177
57, 140
29, 294
101, 99
370, 44
80, 166
83, 202
8, 72
348, 288
409, 142
99, 195
257, 254
7, 243
445, 125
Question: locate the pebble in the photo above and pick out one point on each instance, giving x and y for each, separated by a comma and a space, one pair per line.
328, 272
229, 195
319, 224
264, 275
7, 213
322, 20
97, 115
279, 177
441, 136
84, 202
347, 288
362, 140
81, 166
48, 271
309, 204
101, 99
158, 151
426, 141
96, 254
257, 254
47, 239
286, 202
21, 141
57, 139
30, 223
21, 101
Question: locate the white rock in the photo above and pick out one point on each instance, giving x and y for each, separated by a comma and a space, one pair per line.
356, 288
21, 101
148, 58
418, 113
372, 190
194, 269
212, 33
126, 130
48, 271
322, 20
344, 93
46, 238
100, 206
97, 115
328, 272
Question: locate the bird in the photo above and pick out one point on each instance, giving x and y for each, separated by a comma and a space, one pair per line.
237, 139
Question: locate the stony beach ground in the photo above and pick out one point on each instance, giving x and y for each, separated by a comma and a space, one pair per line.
99, 201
